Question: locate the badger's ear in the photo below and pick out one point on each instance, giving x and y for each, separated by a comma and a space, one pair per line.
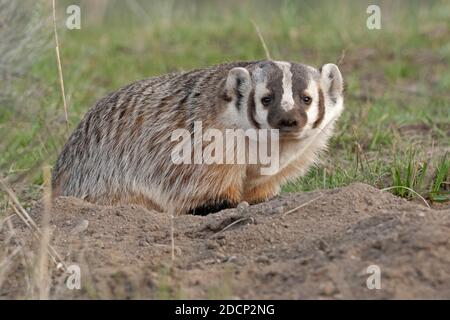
238, 84
331, 81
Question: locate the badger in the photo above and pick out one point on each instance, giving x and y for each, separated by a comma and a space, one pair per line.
122, 150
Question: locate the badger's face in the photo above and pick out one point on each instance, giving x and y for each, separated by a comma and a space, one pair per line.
291, 97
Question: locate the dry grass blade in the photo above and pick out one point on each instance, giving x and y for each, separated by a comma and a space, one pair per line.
6, 263
29, 222
60, 73
262, 40
409, 189
232, 224
21, 212
341, 59
42, 276
6, 257
302, 205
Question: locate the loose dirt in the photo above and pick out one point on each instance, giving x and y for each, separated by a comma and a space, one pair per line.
272, 250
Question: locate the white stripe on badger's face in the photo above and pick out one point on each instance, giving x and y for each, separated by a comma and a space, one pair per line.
261, 111
313, 110
287, 100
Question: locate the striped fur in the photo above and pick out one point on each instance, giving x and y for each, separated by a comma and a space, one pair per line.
120, 152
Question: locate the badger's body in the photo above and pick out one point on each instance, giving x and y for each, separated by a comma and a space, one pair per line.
121, 150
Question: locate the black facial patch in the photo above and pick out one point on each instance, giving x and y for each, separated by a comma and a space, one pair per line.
266, 72
251, 110
300, 76
321, 113
273, 77
239, 96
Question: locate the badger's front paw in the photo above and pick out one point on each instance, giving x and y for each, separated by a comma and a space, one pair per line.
260, 193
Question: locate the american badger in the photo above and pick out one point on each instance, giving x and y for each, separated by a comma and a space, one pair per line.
121, 151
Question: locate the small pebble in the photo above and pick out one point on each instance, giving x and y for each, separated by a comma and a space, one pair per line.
80, 227
212, 245
278, 210
328, 288
243, 207
263, 259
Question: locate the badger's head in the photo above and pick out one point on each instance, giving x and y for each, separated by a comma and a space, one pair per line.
292, 97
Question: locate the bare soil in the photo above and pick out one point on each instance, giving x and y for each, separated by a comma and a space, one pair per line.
265, 251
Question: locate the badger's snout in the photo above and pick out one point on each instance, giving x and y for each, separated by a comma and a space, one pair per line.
288, 122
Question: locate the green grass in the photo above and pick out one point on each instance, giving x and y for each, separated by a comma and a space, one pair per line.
398, 85
410, 174
440, 181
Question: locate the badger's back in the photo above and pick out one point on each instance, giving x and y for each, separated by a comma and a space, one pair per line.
120, 151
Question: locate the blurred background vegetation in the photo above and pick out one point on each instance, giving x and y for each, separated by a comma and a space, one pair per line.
395, 130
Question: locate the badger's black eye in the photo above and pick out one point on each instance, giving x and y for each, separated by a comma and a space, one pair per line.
307, 99
266, 100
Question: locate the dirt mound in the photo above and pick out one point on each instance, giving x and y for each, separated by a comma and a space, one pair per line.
322, 249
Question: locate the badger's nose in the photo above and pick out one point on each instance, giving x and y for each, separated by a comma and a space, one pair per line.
288, 124
292, 121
